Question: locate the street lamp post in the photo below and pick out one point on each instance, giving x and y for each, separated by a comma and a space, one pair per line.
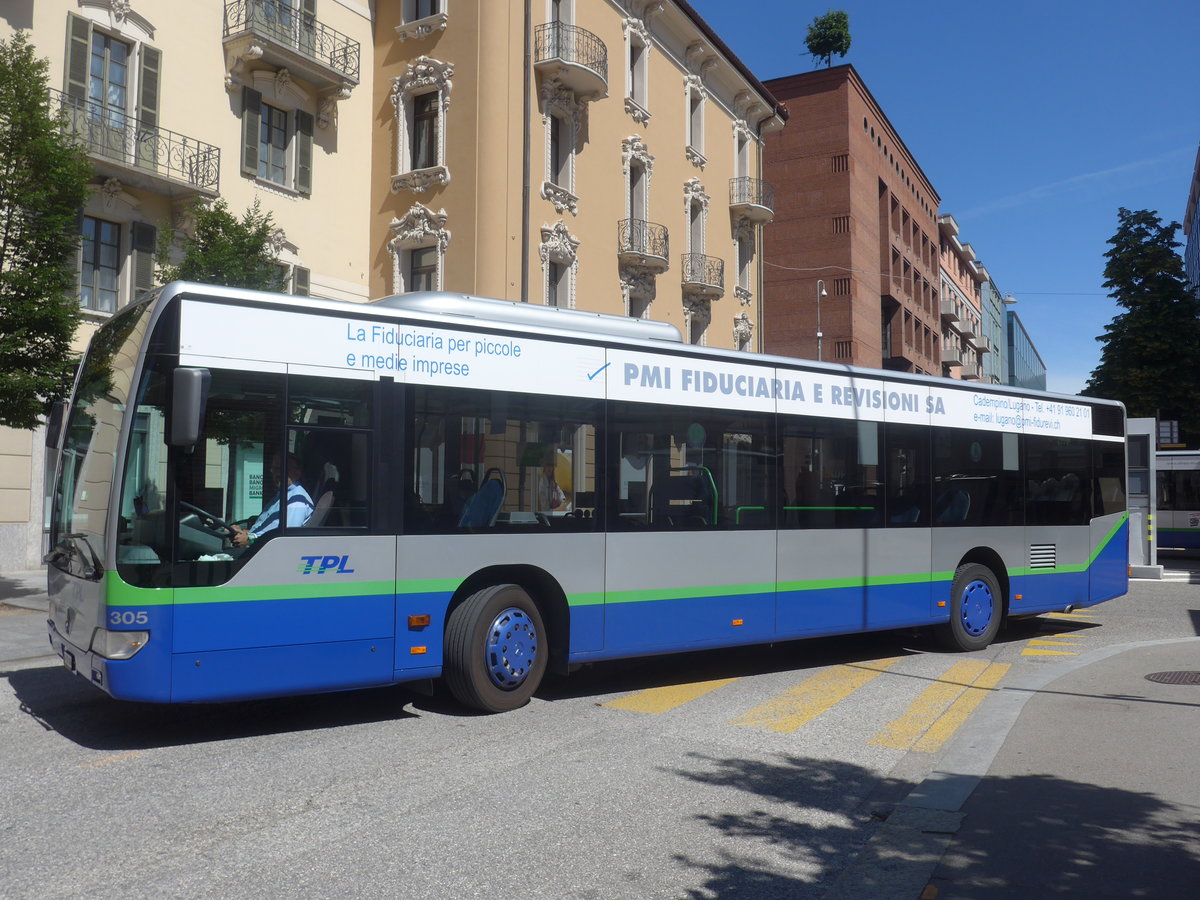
821, 292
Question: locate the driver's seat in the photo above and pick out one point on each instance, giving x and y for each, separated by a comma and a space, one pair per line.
320, 510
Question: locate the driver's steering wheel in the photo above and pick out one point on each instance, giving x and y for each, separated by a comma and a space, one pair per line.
211, 523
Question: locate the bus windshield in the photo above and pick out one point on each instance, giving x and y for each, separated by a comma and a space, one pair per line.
90, 442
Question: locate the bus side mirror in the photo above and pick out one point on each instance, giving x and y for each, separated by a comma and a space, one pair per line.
189, 397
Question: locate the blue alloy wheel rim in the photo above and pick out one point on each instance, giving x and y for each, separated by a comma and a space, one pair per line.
977, 608
512, 648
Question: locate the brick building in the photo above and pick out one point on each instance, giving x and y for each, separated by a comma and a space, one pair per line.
855, 235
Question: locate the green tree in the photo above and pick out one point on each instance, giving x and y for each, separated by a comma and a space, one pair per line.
43, 186
223, 249
1151, 352
827, 35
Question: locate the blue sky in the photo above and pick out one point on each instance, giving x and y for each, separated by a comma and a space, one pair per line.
1035, 121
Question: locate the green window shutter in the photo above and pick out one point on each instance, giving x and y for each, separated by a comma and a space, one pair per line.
79, 40
304, 151
148, 82
251, 126
300, 281
145, 237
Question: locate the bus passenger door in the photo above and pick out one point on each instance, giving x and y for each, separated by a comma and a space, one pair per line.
898, 556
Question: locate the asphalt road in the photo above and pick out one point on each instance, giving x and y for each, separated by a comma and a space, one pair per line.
756, 772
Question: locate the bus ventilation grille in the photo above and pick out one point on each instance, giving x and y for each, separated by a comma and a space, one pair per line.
1043, 556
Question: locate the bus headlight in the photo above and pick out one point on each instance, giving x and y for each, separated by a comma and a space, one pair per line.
118, 644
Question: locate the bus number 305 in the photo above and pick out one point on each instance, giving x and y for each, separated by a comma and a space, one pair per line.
128, 617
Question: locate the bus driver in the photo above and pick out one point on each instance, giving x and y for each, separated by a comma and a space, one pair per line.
299, 505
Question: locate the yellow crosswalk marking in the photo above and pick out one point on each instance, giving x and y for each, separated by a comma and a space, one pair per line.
813, 696
1040, 647
942, 707
1076, 616
663, 699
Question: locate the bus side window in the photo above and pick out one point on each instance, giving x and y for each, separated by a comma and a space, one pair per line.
330, 420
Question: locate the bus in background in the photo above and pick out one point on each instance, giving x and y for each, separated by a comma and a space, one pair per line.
260, 495
1178, 488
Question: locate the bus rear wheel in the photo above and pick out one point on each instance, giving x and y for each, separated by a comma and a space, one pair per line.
496, 649
976, 608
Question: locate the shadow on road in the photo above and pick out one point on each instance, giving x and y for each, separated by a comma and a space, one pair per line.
66, 704
1027, 836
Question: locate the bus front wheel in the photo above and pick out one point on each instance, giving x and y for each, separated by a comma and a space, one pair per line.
976, 608
496, 649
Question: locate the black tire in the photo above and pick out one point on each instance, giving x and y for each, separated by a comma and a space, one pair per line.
496, 649
976, 609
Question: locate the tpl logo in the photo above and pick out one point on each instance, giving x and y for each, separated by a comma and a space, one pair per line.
319, 565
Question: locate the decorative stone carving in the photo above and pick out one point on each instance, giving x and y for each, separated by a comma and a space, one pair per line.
420, 180
422, 28
557, 98
421, 74
637, 283
698, 312
563, 200
558, 244
633, 147
635, 110
327, 106
743, 295
743, 331
112, 195
235, 65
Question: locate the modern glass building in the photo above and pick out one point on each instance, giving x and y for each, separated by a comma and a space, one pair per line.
1025, 366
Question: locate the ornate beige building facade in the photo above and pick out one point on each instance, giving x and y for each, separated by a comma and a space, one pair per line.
579, 153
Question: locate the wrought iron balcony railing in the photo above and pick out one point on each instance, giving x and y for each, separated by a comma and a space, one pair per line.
703, 275
279, 21
643, 243
752, 197
111, 135
576, 48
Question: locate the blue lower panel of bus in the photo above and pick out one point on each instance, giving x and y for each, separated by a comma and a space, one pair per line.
276, 622
821, 611
1179, 538
651, 625
273, 671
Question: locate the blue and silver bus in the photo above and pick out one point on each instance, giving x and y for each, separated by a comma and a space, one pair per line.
262, 495
1178, 502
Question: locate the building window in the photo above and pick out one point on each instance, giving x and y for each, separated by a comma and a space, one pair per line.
841, 224
843, 349
695, 121
637, 51
560, 153
421, 97
99, 277
422, 269
272, 145
277, 133
108, 79
424, 131
562, 115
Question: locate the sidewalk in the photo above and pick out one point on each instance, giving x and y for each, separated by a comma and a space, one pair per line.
23, 634
1077, 782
